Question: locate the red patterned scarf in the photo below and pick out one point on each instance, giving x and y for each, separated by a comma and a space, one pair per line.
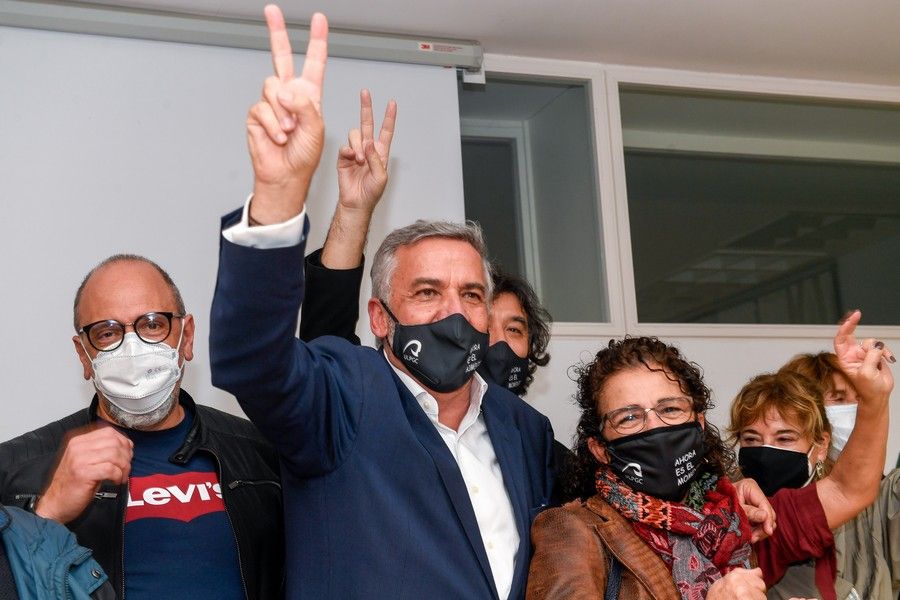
700, 540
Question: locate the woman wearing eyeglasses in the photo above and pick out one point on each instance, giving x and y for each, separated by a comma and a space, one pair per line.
658, 516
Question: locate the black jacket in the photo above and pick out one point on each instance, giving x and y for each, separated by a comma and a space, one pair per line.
248, 472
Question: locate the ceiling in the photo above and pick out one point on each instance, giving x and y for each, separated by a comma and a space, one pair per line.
818, 39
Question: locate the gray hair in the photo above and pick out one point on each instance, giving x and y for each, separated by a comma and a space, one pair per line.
385, 262
176, 294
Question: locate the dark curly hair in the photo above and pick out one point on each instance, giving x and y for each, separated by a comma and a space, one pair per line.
539, 319
622, 355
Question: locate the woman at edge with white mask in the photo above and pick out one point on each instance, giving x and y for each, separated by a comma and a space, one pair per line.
868, 547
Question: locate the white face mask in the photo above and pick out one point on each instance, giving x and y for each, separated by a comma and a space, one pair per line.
137, 377
842, 418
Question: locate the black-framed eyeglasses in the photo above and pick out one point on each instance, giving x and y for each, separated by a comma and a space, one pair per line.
153, 328
632, 419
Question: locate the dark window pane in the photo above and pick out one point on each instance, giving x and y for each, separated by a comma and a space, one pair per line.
743, 211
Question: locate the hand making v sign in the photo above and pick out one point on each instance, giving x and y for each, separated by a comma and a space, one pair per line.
285, 129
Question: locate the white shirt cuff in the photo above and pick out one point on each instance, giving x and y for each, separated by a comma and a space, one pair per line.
265, 237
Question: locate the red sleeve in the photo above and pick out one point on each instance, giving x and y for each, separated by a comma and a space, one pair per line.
801, 534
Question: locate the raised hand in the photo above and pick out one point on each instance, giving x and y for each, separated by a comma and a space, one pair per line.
88, 459
864, 363
362, 175
285, 129
362, 163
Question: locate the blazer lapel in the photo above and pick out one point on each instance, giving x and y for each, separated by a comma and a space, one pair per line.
450, 475
507, 444
633, 552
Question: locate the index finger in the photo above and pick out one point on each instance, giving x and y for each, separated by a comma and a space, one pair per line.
386, 135
316, 54
844, 336
280, 44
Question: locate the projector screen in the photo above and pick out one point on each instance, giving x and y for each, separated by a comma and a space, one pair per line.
96, 133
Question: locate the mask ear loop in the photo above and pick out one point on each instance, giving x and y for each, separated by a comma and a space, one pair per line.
390, 314
178, 348
391, 330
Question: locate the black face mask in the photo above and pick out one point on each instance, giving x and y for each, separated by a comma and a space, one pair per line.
506, 368
775, 468
442, 355
661, 462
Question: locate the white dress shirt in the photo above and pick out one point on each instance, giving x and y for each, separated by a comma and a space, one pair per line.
470, 445
265, 237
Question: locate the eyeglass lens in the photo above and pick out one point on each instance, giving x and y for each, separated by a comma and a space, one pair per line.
672, 411
108, 335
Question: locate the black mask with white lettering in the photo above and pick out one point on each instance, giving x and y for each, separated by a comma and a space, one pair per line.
775, 468
661, 462
442, 355
505, 367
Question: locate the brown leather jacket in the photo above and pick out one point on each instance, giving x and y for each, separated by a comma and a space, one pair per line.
570, 556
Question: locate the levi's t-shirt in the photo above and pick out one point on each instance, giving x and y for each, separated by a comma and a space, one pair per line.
178, 540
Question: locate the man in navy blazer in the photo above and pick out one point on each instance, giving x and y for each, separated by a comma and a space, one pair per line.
405, 475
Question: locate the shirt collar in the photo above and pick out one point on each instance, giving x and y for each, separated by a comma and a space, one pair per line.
429, 404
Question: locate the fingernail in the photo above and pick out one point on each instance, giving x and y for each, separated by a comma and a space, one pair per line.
285, 96
846, 316
282, 138
287, 123
879, 345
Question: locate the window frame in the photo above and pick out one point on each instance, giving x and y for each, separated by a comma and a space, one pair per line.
518, 133
592, 76
603, 83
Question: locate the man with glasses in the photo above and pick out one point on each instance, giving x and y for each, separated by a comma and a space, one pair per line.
176, 500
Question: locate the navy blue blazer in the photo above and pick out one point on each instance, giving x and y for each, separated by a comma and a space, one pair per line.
375, 505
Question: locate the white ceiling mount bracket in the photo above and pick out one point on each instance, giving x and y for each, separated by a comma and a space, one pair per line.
474, 76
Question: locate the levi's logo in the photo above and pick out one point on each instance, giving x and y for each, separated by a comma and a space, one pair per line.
182, 497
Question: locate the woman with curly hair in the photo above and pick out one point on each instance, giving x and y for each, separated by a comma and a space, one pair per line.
659, 517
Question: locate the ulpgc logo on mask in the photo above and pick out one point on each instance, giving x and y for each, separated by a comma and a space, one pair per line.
411, 351
633, 473
634, 468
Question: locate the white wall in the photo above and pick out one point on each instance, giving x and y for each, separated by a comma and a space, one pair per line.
96, 133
